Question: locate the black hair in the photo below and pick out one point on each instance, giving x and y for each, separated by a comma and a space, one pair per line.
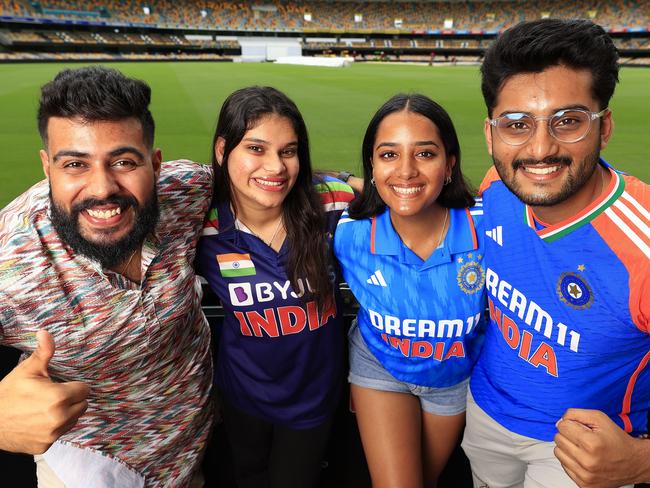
96, 93
532, 47
456, 194
304, 218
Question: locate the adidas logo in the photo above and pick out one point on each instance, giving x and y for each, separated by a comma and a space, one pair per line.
377, 279
496, 234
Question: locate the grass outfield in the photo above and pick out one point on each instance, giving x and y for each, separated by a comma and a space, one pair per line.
336, 103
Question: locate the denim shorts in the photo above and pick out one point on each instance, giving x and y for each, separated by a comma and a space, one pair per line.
366, 371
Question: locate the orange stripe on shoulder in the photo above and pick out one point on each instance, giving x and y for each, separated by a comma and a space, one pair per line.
472, 228
490, 177
625, 227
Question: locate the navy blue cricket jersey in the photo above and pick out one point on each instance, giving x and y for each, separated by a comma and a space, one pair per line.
279, 359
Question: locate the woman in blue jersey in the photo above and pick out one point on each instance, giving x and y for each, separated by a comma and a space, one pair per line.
265, 253
411, 254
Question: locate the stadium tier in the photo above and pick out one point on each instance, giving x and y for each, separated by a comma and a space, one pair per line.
186, 29
281, 16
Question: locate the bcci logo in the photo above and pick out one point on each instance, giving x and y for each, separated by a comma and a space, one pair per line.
471, 277
574, 291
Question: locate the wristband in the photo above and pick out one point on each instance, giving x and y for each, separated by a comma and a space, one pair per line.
344, 176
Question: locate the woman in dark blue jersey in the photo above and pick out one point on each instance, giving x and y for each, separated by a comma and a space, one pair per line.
411, 253
265, 253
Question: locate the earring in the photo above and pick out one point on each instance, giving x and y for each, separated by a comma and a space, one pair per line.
447, 180
372, 181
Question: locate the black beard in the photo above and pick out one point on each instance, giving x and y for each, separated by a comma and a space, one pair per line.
108, 253
571, 186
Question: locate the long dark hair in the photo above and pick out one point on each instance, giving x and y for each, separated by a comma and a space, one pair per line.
456, 194
304, 219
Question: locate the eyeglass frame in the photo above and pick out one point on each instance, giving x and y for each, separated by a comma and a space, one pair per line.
592, 116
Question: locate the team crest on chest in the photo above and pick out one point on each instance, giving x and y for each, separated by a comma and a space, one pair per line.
574, 290
471, 277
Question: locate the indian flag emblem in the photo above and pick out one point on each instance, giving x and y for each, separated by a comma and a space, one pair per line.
234, 265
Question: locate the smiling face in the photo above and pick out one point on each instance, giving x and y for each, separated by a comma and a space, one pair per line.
102, 184
545, 172
409, 163
264, 166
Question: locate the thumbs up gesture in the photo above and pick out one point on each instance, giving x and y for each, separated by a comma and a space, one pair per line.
34, 410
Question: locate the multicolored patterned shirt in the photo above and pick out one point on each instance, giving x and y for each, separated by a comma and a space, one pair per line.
144, 349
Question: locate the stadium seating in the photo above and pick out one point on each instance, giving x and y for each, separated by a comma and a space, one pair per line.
281, 16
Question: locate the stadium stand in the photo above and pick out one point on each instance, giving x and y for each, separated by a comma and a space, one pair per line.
412, 31
194, 30
341, 16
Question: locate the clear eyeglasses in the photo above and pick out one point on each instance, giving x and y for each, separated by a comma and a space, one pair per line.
568, 125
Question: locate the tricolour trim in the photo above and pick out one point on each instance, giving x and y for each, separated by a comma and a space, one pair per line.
211, 223
554, 232
373, 228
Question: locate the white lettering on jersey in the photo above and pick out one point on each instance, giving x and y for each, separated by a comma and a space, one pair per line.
529, 311
422, 327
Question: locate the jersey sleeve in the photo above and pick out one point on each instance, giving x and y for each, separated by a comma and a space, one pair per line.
335, 195
490, 177
625, 227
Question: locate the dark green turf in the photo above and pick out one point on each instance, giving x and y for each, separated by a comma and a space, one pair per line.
337, 105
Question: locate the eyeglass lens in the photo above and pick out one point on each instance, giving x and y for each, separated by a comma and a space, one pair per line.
565, 126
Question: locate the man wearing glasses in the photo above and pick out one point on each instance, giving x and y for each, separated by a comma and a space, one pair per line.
564, 372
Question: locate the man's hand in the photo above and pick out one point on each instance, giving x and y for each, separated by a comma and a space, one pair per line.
35, 411
596, 453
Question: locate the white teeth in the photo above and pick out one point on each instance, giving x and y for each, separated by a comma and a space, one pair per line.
269, 183
541, 171
104, 214
411, 190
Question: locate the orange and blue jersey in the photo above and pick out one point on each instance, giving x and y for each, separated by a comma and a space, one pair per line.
569, 311
280, 358
422, 319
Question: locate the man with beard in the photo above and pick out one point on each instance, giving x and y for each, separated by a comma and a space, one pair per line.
96, 281
567, 272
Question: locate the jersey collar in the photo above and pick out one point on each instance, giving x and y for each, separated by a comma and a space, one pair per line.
461, 237
603, 202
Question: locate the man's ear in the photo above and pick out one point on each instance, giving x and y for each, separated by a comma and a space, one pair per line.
487, 131
219, 149
45, 162
156, 161
606, 129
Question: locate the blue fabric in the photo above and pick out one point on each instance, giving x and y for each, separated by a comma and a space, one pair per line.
278, 359
561, 333
423, 320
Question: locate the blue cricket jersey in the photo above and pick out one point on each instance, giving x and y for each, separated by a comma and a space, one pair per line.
423, 320
279, 359
570, 311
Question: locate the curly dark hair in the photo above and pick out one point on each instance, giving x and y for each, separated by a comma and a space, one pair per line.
96, 93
